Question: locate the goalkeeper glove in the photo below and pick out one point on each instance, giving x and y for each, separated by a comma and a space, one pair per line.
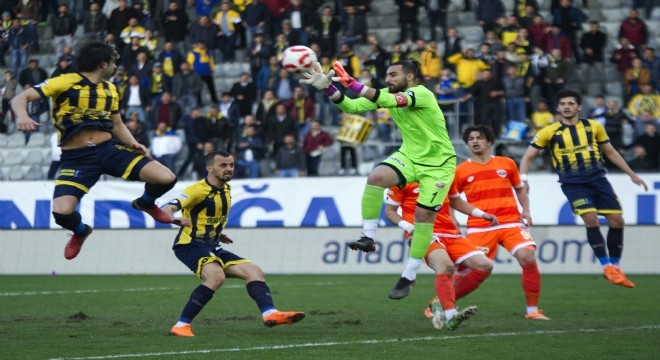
347, 80
320, 81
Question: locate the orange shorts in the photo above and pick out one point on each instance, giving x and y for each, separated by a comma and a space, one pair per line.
458, 248
511, 239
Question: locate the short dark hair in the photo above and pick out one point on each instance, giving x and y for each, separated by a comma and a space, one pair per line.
92, 53
569, 93
484, 130
410, 67
213, 154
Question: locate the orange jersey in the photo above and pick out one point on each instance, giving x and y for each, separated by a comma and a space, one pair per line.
489, 187
406, 199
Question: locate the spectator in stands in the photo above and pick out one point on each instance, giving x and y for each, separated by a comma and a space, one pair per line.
55, 156
279, 45
327, 25
278, 125
354, 27
593, 45
597, 112
542, 116
521, 8
315, 142
431, 64
166, 111
244, 92
171, 60
301, 109
284, 85
196, 135
199, 165
278, 13
119, 18
95, 22
204, 31
446, 90
493, 41
7, 92
349, 60
569, 19
266, 106
414, 52
201, 62
647, 101
133, 29
157, 86
218, 129
203, 7
247, 121
647, 149
64, 66
636, 76
19, 44
376, 60
488, 93
130, 55
28, 12
141, 68
467, 66
174, 22
623, 56
5, 25
34, 110
135, 99
397, 54
529, 12
258, 54
556, 39
186, 86
301, 18
32, 75
558, 72
142, 8
537, 30
516, 95
268, 74
615, 117
652, 62
453, 44
509, 33
228, 107
408, 19
137, 129
436, 12
120, 80
290, 159
165, 146
634, 29
250, 151
488, 11
115, 42
255, 20
227, 21
640, 122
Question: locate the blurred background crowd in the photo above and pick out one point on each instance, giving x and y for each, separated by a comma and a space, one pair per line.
200, 75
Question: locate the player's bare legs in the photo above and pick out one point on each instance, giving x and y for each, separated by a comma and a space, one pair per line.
158, 180
531, 282
380, 178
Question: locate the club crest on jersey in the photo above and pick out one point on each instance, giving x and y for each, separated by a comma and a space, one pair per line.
501, 173
416, 191
470, 179
439, 185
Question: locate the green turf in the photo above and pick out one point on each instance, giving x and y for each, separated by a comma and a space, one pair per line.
348, 317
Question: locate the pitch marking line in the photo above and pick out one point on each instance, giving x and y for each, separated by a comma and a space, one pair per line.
158, 288
363, 342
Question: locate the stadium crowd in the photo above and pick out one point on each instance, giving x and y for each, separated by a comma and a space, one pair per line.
170, 51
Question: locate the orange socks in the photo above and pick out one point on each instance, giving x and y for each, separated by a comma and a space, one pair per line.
531, 283
470, 282
444, 288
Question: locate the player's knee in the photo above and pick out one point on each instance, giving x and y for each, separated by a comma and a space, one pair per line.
615, 222
256, 274
215, 280
485, 265
526, 257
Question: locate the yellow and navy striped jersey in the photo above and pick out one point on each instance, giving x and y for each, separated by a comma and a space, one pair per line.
575, 150
79, 103
207, 208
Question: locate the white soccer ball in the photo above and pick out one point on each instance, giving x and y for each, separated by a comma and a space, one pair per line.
298, 59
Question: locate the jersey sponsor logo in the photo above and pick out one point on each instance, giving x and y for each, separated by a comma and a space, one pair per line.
485, 250
398, 161
439, 185
401, 100
501, 173
470, 179
183, 196
69, 172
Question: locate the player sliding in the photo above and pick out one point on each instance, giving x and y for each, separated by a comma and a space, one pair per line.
577, 147
206, 203
487, 182
448, 248
426, 156
94, 140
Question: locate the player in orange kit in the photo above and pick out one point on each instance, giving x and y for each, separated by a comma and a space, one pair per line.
487, 182
447, 249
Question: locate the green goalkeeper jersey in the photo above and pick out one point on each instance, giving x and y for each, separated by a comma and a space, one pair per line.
419, 119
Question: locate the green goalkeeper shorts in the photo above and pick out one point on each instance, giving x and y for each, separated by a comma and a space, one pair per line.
434, 181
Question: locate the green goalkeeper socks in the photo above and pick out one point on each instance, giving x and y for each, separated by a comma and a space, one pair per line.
421, 240
372, 202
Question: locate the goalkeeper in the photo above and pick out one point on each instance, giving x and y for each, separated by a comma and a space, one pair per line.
426, 155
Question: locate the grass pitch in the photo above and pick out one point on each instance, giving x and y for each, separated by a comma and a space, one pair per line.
348, 317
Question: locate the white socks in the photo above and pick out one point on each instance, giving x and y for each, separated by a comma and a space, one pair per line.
412, 267
369, 228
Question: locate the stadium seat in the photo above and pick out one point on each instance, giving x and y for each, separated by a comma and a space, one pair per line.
16, 140
12, 157
3, 140
37, 139
34, 157
614, 14
610, 4
17, 172
34, 173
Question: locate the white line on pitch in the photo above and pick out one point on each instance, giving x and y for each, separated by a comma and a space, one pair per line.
161, 288
343, 343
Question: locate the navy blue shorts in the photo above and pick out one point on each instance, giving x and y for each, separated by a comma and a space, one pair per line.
195, 255
81, 168
597, 196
